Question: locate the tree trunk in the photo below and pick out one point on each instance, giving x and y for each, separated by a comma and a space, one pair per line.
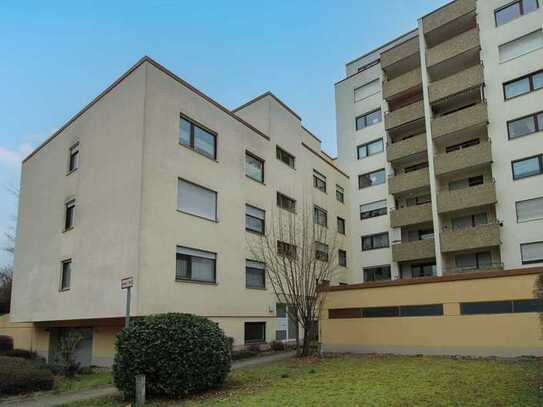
307, 341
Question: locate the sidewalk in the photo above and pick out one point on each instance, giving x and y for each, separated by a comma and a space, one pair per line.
51, 400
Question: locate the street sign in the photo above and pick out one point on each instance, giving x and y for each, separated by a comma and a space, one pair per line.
127, 282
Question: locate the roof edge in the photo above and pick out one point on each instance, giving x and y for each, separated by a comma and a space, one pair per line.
262, 96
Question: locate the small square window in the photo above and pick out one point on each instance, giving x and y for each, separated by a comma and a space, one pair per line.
255, 332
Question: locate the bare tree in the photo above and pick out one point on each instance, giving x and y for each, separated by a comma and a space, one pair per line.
6, 271
300, 254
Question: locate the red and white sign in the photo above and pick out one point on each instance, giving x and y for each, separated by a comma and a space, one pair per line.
127, 282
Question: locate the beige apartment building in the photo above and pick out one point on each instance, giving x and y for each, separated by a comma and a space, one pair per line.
155, 180
440, 131
437, 194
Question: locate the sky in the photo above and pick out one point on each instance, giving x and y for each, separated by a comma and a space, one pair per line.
56, 56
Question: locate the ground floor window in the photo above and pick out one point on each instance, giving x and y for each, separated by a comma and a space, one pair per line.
255, 332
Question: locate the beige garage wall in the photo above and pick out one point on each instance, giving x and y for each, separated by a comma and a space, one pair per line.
23, 334
499, 334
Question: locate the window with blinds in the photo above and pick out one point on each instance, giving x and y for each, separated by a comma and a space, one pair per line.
196, 200
531, 252
521, 46
255, 274
373, 209
367, 90
529, 210
195, 265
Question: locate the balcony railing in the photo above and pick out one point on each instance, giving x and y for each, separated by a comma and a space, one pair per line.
415, 250
402, 84
407, 50
472, 197
471, 238
463, 159
486, 267
453, 47
405, 148
460, 82
404, 115
398, 184
468, 118
412, 215
448, 14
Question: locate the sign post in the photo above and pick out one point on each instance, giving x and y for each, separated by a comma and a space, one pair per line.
127, 283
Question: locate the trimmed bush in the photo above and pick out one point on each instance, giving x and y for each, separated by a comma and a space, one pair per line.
278, 346
179, 354
6, 343
18, 375
22, 353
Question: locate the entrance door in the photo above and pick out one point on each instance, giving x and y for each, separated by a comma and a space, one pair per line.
83, 352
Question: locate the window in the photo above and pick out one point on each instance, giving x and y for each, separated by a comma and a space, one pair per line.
377, 241
195, 265
320, 216
321, 251
371, 179
421, 310
69, 214
373, 209
525, 125
286, 203
73, 158
473, 261
426, 310
514, 10
255, 332
416, 167
529, 210
342, 257
531, 252
286, 249
368, 119
285, 157
341, 225
521, 86
255, 219
470, 221
66, 275
377, 273
527, 167
340, 194
501, 307
319, 181
254, 167
371, 148
463, 145
418, 200
380, 312
466, 183
520, 46
255, 274
367, 90
197, 138
196, 200
423, 270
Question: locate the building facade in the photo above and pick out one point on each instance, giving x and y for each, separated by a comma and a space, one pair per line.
440, 132
156, 181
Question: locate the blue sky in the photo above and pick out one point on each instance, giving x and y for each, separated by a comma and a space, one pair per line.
56, 56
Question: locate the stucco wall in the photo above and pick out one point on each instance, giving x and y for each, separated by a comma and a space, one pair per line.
498, 334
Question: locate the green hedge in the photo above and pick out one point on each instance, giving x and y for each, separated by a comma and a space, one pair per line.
179, 354
18, 375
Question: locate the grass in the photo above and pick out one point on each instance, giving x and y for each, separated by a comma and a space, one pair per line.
373, 381
82, 382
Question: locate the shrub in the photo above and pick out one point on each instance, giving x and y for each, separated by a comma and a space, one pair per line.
179, 354
254, 347
22, 353
6, 343
277, 346
243, 354
18, 375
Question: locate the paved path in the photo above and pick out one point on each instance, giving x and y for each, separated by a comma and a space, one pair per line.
51, 400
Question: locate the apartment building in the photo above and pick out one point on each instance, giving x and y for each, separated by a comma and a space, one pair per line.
440, 131
155, 180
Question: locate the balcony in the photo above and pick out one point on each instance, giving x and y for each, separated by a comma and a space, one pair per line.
406, 148
465, 119
478, 237
465, 158
467, 198
401, 58
399, 184
449, 20
402, 84
404, 115
454, 54
412, 215
416, 250
460, 82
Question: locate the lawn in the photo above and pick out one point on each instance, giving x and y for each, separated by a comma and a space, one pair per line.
82, 382
374, 381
